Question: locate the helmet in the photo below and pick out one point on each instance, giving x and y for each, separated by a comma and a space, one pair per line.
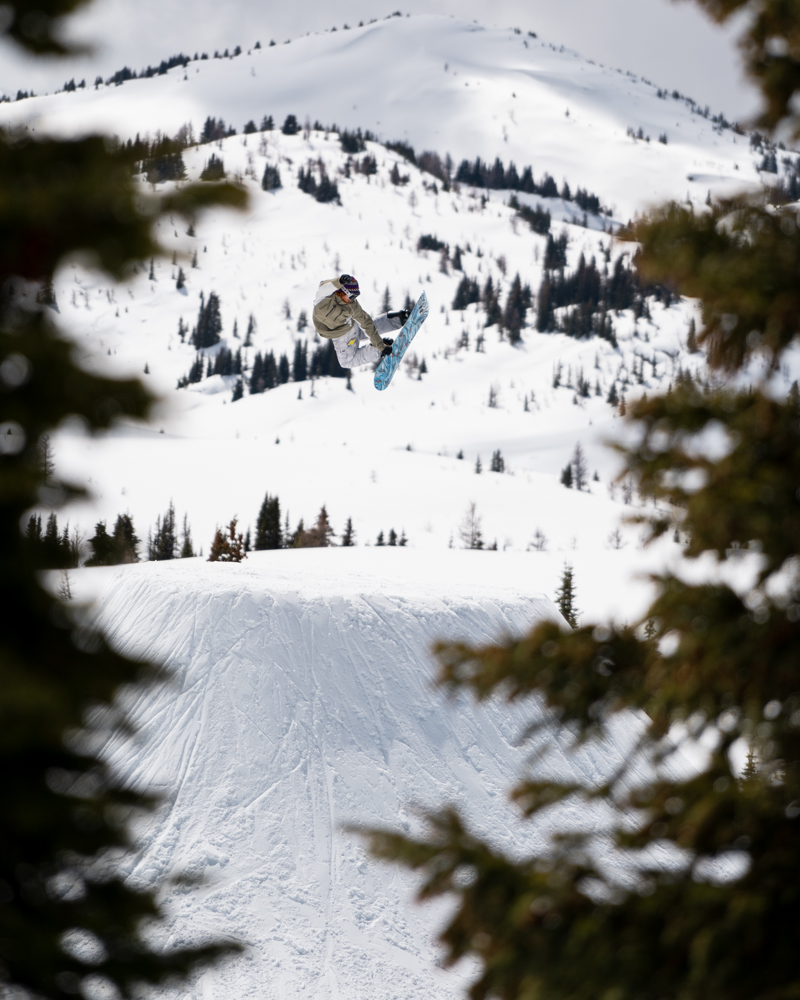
349, 286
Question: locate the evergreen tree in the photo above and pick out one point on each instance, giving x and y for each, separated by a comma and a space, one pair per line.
187, 548
251, 329
498, 463
580, 469
565, 596
349, 536
238, 390
228, 545
380, 540
386, 303
290, 126
566, 476
209, 322
163, 544
478, 466
181, 282
392, 537
283, 370
64, 864
271, 180
268, 525
300, 365
403, 541
322, 534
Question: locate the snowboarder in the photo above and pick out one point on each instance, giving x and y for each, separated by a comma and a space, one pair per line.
338, 317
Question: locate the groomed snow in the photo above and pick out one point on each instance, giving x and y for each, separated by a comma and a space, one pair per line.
301, 700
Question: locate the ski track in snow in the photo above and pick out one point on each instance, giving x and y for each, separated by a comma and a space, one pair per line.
288, 714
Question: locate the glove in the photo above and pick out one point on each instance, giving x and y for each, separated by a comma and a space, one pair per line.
387, 349
401, 314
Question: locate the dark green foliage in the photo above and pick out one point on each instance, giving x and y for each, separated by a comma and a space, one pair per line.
290, 126
498, 462
352, 142
517, 303
566, 476
163, 544
283, 370
49, 549
349, 536
238, 390
250, 127
538, 218
214, 169
380, 539
264, 374
300, 363
429, 242
268, 525
392, 537
214, 130
324, 361
555, 255
209, 322
403, 148
593, 294
271, 180
181, 280
396, 177
118, 547
64, 806
498, 177
467, 293
324, 190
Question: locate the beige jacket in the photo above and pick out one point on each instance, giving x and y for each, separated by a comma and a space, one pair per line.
334, 318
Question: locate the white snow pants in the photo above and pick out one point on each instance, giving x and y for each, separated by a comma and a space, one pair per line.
351, 349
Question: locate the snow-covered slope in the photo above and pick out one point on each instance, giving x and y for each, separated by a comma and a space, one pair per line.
443, 84
301, 700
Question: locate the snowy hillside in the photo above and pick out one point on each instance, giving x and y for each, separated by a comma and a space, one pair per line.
442, 84
390, 461
301, 701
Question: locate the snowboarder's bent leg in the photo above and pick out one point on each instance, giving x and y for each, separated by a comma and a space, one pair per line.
387, 325
351, 354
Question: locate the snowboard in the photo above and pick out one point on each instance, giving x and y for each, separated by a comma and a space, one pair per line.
388, 365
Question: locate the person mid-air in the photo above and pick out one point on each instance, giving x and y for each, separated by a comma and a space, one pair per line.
357, 338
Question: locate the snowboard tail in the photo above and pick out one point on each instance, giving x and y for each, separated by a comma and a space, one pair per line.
388, 365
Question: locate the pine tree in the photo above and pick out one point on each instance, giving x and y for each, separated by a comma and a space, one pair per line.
478, 467
322, 534
392, 537
403, 541
187, 548
251, 329
268, 525
498, 463
380, 540
565, 596
386, 303
566, 476
349, 536
163, 544
181, 282
228, 545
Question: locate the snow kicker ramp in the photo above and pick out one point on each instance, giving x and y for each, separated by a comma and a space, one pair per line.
290, 714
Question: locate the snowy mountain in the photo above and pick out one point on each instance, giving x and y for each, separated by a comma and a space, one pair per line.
301, 694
